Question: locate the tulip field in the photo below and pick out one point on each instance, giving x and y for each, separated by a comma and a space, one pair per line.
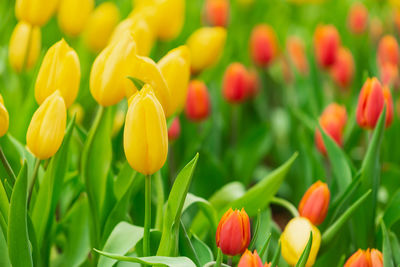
191, 133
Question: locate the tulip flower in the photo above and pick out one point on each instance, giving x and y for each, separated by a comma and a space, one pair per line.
100, 26
197, 102
24, 47
294, 240
359, 259
175, 67
72, 15
326, 45
388, 51
253, 83
216, 12
108, 77
145, 133
249, 259
170, 16
60, 70
332, 121
174, 129
77, 111
376, 258
342, 70
375, 29
357, 19
370, 104
206, 45
35, 12
4, 118
46, 130
389, 74
236, 83
315, 202
297, 54
263, 45
118, 122
233, 232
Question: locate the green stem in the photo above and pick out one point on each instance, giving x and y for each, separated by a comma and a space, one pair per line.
286, 204
34, 178
7, 167
160, 200
147, 217
219, 258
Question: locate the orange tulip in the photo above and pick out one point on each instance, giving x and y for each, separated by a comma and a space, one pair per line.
326, 45
297, 55
235, 83
263, 45
388, 51
315, 202
376, 258
359, 259
357, 19
233, 232
216, 12
375, 29
342, 71
389, 74
198, 101
249, 259
174, 129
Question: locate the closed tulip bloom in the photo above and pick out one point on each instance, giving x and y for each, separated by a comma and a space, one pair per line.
206, 46
4, 118
375, 29
294, 239
388, 51
357, 19
72, 15
263, 45
145, 133
171, 16
100, 26
235, 83
233, 232
77, 111
342, 71
108, 77
197, 102
297, 54
46, 130
216, 12
371, 102
175, 67
249, 259
35, 12
326, 45
315, 202
24, 47
376, 258
60, 70
389, 74
359, 259
174, 129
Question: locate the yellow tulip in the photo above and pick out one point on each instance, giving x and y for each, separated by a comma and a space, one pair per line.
171, 16
175, 67
145, 133
24, 47
47, 127
100, 26
140, 30
294, 239
119, 120
206, 45
60, 70
35, 12
77, 110
109, 76
73, 15
148, 12
4, 118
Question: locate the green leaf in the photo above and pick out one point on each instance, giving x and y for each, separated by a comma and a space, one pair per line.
203, 251
306, 253
186, 247
387, 249
4, 259
392, 212
168, 244
227, 194
137, 82
204, 205
255, 231
395, 247
4, 207
265, 245
277, 255
158, 260
17, 234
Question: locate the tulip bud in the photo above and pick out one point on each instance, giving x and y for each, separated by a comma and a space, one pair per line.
236, 83
197, 102
297, 54
388, 51
100, 26
376, 258
145, 133
389, 74
233, 232
206, 45
35, 12
109, 75
171, 15
263, 45
216, 12
326, 45
342, 71
119, 120
315, 202
175, 67
4, 118
357, 19
375, 29
370, 104
332, 121
46, 130
72, 15
77, 111
24, 47
254, 83
294, 240
249, 259
174, 129
60, 70
359, 259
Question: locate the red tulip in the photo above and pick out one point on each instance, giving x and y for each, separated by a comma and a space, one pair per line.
315, 202
342, 71
236, 83
388, 51
358, 18
250, 260
233, 232
174, 129
216, 12
326, 45
198, 101
359, 259
263, 45
297, 54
